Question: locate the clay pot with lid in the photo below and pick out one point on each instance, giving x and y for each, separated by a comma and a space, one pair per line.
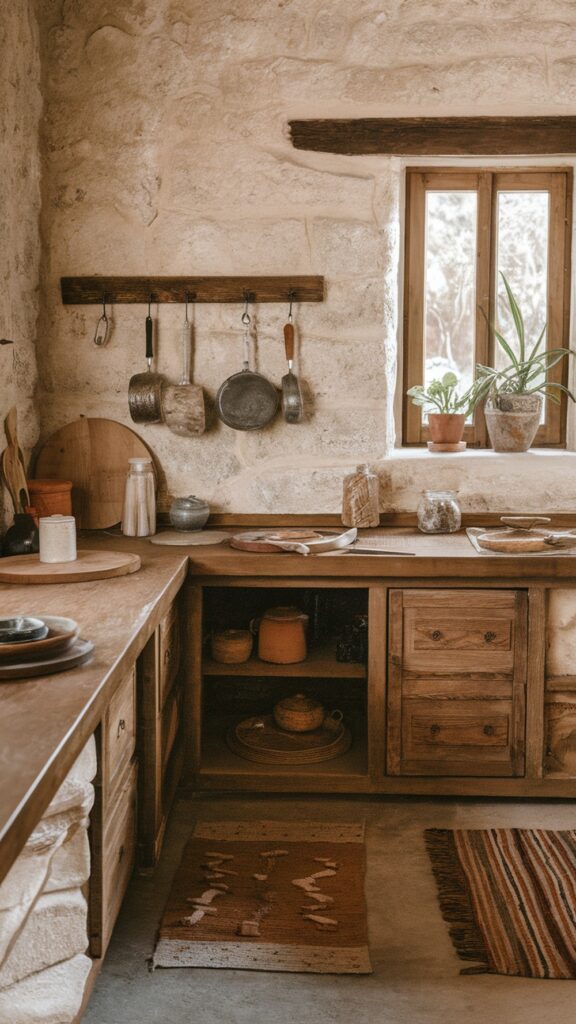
281, 635
299, 713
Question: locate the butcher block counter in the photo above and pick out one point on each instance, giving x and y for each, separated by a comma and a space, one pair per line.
45, 722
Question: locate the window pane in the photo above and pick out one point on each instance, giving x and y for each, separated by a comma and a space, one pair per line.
450, 285
522, 255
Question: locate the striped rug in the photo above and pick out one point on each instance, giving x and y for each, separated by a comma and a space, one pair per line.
509, 896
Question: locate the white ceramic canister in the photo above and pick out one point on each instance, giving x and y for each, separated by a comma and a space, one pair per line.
57, 538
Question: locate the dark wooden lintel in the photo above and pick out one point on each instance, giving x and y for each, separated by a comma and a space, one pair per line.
90, 290
438, 136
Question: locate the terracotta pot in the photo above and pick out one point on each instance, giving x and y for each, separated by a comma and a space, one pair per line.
232, 646
51, 497
281, 635
446, 427
299, 713
512, 421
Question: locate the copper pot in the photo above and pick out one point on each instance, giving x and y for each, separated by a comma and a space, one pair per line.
281, 635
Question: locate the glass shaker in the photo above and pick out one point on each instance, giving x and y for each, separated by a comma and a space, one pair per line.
439, 512
139, 512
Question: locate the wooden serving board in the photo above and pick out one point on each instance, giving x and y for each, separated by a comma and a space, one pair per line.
93, 454
90, 565
515, 541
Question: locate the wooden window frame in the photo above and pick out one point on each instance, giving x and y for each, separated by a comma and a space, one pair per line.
486, 182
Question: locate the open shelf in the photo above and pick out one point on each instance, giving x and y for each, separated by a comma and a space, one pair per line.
320, 663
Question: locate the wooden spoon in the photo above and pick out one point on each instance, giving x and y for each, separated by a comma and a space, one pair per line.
12, 464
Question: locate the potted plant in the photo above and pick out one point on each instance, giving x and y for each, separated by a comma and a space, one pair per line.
515, 393
451, 409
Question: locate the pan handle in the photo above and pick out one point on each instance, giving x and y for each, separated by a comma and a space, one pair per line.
289, 342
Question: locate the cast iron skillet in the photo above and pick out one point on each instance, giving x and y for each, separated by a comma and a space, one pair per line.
247, 400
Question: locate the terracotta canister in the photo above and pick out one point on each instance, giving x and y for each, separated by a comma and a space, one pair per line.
281, 635
232, 646
299, 713
51, 497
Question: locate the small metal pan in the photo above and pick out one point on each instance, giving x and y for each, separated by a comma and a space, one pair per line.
247, 400
145, 389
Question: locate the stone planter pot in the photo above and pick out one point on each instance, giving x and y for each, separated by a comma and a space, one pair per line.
446, 427
512, 421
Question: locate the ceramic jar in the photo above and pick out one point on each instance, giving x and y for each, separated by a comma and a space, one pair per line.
22, 537
189, 513
232, 646
139, 511
51, 497
281, 635
57, 539
299, 713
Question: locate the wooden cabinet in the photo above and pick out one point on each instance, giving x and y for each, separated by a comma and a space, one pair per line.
160, 689
456, 682
113, 818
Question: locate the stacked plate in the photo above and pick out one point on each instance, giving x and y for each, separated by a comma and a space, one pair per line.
40, 645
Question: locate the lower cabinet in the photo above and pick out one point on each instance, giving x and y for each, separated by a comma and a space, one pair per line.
457, 682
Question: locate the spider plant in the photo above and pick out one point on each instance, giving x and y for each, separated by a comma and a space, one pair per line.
441, 396
528, 367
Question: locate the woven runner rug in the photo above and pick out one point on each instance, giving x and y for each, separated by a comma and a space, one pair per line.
509, 896
268, 896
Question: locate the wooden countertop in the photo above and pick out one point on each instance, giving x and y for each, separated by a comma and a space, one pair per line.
45, 722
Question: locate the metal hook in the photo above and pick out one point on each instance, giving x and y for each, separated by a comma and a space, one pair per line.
245, 315
102, 332
187, 300
150, 301
291, 298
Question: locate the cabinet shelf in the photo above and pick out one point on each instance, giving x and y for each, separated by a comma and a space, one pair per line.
320, 663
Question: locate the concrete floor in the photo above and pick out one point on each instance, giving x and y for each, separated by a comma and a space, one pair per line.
416, 976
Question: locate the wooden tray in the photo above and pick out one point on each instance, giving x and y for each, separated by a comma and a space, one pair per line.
61, 633
77, 654
268, 744
515, 541
90, 565
93, 453
189, 537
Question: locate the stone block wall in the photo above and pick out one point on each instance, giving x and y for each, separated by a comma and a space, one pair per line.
43, 909
166, 151
20, 109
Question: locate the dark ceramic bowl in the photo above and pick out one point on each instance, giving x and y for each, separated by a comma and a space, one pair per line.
22, 630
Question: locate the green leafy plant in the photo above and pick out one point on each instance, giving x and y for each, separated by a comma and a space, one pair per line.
527, 370
441, 395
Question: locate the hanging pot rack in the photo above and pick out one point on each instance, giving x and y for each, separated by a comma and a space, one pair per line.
120, 290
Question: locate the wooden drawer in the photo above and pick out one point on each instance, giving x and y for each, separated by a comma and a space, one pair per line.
169, 652
444, 631
464, 738
118, 849
119, 731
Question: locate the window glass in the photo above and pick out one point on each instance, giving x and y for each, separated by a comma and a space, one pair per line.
450, 285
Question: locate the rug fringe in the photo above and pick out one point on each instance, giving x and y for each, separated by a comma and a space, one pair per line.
454, 899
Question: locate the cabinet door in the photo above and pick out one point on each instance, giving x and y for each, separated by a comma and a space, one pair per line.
456, 682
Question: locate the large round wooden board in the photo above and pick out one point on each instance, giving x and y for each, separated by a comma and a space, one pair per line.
189, 537
93, 454
76, 654
515, 541
90, 565
259, 739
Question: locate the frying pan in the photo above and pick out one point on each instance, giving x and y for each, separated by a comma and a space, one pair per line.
247, 400
145, 389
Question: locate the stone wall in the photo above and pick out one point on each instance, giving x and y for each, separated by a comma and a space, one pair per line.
43, 909
20, 109
165, 151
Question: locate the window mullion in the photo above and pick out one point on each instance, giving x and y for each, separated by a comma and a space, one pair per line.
484, 288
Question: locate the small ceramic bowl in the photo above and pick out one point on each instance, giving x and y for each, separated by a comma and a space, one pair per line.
21, 629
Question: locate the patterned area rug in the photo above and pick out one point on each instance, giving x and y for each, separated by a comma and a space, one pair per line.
268, 896
509, 896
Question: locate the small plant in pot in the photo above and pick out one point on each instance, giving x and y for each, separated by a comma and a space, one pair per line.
515, 393
448, 409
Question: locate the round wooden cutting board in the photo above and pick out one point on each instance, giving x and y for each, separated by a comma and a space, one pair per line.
93, 454
90, 565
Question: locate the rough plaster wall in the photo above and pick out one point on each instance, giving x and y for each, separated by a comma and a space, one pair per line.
166, 152
20, 108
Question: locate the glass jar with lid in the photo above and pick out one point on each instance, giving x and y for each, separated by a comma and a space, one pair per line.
139, 512
439, 512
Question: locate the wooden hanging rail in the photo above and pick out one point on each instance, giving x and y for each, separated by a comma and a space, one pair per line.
92, 290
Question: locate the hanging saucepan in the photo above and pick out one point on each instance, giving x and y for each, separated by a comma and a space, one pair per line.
145, 389
246, 400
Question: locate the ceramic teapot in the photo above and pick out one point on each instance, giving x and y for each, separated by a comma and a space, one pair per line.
281, 635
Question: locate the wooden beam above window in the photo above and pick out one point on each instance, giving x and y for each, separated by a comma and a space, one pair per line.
438, 136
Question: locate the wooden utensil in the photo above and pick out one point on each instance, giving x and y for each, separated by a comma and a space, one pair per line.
292, 405
12, 464
183, 408
90, 565
94, 454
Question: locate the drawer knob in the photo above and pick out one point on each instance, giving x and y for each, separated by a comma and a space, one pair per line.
488, 730
121, 727
434, 729
489, 636
436, 635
